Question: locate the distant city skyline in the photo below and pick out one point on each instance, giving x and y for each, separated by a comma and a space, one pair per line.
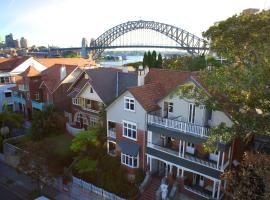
65, 22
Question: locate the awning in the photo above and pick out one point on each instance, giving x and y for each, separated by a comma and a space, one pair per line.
129, 148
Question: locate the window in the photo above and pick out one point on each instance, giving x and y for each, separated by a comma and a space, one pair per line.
189, 144
190, 148
130, 161
209, 113
7, 94
191, 116
5, 80
129, 104
91, 90
75, 101
130, 130
170, 108
36, 96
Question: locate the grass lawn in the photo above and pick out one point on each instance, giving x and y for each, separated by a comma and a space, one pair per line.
57, 148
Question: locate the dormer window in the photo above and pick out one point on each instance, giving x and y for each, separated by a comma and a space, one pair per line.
129, 104
170, 108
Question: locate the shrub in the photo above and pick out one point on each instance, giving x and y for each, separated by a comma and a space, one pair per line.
139, 176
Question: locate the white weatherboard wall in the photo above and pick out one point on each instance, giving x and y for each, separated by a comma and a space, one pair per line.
29, 62
181, 108
116, 112
219, 117
85, 93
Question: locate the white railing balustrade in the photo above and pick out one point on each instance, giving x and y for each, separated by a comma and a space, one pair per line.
178, 125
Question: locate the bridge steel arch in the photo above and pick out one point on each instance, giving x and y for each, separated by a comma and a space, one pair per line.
186, 40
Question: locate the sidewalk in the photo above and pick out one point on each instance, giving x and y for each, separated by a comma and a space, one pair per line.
22, 185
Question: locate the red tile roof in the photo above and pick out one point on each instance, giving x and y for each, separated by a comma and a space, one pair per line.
11, 63
51, 77
158, 84
30, 72
49, 62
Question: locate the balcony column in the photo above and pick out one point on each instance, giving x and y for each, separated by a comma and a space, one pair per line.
218, 193
166, 169
108, 147
214, 189
180, 146
182, 172
178, 173
184, 145
218, 159
222, 162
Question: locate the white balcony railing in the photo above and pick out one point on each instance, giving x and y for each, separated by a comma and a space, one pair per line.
81, 102
112, 133
184, 127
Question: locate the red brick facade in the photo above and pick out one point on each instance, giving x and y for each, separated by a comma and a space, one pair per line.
140, 140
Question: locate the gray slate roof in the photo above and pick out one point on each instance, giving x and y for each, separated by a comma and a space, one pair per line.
128, 147
109, 83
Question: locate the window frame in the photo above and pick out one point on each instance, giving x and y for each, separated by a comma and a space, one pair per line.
8, 93
128, 100
132, 124
170, 107
126, 159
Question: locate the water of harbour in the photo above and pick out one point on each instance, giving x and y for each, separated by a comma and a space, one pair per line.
128, 59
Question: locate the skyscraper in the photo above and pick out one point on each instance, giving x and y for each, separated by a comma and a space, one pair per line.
23, 42
9, 41
16, 43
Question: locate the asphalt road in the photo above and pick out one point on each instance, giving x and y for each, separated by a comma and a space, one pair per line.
5, 194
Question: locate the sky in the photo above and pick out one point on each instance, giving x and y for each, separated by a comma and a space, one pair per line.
64, 22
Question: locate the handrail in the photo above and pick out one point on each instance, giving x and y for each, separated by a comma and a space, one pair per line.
184, 127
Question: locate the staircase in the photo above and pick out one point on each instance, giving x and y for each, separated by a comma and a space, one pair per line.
150, 192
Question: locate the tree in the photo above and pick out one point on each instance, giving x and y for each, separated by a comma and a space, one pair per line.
149, 59
46, 122
89, 147
9, 120
159, 61
154, 58
251, 178
241, 90
144, 63
33, 161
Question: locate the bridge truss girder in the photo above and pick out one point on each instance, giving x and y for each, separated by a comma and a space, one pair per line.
186, 40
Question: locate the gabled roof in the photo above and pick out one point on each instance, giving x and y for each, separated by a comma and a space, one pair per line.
9, 64
51, 77
158, 84
108, 83
30, 72
148, 95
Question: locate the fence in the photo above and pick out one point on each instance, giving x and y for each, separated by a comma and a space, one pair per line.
92, 188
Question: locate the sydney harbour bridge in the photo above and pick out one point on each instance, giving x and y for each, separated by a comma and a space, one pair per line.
143, 34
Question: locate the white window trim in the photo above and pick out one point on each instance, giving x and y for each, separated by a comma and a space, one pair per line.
132, 157
132, 123
129, 98
190, 149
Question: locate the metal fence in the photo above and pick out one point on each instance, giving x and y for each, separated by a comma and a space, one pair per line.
92, 188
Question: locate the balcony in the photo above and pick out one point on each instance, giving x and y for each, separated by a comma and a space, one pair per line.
177, 125
18, 99
189, 157
37, 105
86, 104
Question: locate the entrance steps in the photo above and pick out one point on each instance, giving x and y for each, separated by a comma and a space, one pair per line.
150, 192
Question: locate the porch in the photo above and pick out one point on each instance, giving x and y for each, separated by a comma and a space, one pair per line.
187, 180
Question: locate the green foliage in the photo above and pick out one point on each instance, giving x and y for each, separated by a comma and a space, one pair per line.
242, 38
190, 63
139, 176
46, 122
150, 59
84, 140
70, 54
251, 178
10, 119
85, 165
